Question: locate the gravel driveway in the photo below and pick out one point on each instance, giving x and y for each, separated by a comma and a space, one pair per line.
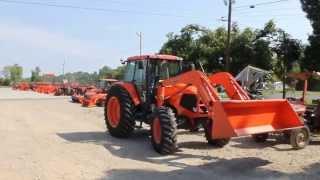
45, 137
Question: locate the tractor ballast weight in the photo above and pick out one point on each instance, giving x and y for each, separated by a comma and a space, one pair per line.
186, 98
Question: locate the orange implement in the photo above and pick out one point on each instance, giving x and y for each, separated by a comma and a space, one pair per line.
238, 116
242, 118
93, 99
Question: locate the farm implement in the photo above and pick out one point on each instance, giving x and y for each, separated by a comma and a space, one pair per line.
93, 96
162, 92
309, 112
45, 88
22, 86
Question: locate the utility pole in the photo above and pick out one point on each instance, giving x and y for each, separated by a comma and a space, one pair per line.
63, 65
284, 64
140, 41
227, 50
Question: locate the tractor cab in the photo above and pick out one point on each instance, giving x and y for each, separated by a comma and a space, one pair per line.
146, 71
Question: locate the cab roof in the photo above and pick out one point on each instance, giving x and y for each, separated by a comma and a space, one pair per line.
159, 57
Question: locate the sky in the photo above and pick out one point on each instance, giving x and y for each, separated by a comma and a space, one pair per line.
47, 36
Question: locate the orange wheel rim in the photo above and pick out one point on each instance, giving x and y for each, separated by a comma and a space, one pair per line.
156, 131
113, 111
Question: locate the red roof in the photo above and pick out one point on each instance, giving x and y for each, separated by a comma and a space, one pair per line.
155, 57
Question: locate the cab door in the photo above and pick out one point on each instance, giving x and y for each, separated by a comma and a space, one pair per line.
136, 74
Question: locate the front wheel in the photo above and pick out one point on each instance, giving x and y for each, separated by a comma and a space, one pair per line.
300, 138
164, 131
214, 142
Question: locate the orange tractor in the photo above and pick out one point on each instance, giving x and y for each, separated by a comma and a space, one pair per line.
97, 96
22, 86
45, 88
160, 90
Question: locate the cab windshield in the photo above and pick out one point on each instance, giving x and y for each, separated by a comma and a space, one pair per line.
169, 69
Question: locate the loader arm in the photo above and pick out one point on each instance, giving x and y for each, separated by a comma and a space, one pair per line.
208, 95
239, 116
231, 86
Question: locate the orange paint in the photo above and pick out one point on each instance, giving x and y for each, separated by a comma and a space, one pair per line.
156, 131
113, 111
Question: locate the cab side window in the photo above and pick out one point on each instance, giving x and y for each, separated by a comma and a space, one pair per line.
139, 75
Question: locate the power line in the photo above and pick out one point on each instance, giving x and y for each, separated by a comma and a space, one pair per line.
265, 10
260, 4
272, 17
94, 9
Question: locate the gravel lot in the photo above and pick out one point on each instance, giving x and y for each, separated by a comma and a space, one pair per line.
45, 137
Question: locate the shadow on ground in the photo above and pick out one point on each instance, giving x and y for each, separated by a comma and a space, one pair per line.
239, 169
138, 147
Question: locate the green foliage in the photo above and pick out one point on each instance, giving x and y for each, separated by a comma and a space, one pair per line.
12, 73
105, 72
118, 72
5, 82
35, 75
92, 78
199, 44
312, 54
289, 53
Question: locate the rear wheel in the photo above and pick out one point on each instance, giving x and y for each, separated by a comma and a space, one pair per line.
119, 113
299, 138
164, 131
214, 142
260, 138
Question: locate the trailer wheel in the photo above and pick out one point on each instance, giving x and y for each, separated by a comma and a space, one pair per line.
214, 142
260, 138
300, 138
164, 131
119, 113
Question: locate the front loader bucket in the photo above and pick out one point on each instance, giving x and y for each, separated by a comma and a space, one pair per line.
241, 118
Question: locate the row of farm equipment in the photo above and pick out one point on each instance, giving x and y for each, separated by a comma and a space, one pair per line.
87, 96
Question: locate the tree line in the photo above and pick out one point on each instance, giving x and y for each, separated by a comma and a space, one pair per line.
269, 48
12, 74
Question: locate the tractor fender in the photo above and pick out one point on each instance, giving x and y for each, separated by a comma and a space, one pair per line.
131, 89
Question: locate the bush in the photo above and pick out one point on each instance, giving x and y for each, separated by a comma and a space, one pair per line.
5, 82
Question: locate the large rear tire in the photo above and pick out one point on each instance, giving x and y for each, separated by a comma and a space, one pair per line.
164, 131
214, 142
119, 113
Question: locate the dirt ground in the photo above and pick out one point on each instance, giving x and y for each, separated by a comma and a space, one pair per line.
45, 137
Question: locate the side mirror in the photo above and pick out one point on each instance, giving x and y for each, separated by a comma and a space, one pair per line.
122, 61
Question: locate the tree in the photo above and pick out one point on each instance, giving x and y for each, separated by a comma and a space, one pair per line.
289, 52
312, 53
13, 73
185, 43
118, 72
105, 72
199, 44
35, 75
